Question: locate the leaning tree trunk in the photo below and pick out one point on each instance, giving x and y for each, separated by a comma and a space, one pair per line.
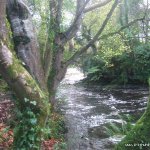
25, 40
31, 99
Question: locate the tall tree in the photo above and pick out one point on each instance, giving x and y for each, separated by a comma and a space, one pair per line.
35, 84
19, 79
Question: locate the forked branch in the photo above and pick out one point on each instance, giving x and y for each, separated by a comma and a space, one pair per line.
84, 49
74, 27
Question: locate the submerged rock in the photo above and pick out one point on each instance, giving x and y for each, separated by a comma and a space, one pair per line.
98, 132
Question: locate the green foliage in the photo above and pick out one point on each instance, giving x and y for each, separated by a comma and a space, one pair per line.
60, 146
3, 85
149, 81
67, 55
127, 67
10, 36
29, 131
120, 129
123, 57
57, 126
27, 128
138, 136
55, 129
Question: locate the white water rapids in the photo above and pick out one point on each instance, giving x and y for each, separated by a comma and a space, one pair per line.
87, 109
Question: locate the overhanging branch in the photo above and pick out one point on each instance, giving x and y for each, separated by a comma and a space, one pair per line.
121, 29
84, 49
74, 27
88, 9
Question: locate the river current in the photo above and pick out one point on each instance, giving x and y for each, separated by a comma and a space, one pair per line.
87, 109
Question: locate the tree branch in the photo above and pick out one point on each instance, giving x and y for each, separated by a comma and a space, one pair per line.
56, 14
88, 9
59, 11
84, 49
53, 14
69, 34
122, 28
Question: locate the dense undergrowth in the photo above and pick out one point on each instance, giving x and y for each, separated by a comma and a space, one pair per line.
127, 67
12, 121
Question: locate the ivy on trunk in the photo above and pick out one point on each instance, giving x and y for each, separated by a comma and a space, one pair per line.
22, 67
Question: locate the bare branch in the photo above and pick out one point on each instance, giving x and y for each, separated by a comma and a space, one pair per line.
69, 34
84, 49
121, 29
88, 9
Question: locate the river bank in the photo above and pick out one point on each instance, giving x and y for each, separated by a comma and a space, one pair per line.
88, 108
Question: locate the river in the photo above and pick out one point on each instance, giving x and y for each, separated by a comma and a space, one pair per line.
87, 109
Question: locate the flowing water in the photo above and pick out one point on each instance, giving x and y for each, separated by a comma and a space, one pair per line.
88, 109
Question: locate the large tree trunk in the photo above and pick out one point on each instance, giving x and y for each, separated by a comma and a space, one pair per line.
25, 40
22, 83
58, 70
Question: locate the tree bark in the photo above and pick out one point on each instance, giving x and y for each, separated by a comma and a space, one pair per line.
58, 69
25, 40
18, 78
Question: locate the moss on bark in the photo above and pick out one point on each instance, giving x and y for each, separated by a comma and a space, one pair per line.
37, 109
